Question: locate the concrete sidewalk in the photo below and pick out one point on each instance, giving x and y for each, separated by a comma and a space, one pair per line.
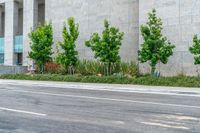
109, 87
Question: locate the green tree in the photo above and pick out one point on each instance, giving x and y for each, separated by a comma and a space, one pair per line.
41, 45
195, 49
106, 48
156, 48
68, 57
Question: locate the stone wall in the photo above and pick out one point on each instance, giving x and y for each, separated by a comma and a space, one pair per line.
181, 19
90, 15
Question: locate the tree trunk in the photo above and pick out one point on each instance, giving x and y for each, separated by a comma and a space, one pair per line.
197, 71
70, 70
153, 69
109, 69
42, 68
67, 70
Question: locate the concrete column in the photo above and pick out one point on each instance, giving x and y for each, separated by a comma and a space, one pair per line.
16, 17
30, 22
10, 12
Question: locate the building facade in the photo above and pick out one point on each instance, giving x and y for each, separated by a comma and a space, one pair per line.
181, 20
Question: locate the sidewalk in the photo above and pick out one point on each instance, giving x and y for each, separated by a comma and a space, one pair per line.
109, 87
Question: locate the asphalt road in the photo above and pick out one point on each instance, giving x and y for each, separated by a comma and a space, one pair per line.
40, 109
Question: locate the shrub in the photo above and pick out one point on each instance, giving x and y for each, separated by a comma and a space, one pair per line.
156, 48
127, 69
52, 67
68, 57
41, 45
106, 47
195, 49
97, 68
89, 68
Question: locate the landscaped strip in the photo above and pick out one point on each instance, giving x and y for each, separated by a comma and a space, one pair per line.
142, 80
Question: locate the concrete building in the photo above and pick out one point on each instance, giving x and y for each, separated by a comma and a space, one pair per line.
181, 20
17, 17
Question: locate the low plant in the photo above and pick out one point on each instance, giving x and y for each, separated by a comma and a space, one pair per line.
97, 68
52, 67
86, 67
127, 69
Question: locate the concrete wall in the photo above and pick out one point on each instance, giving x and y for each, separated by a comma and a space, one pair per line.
90, 15
181, 19
12, 69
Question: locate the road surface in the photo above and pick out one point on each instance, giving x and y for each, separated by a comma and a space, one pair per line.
32, 108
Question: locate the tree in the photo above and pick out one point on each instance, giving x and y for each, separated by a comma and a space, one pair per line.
155, 48
41, 45
106, 48
68, 58
195, 49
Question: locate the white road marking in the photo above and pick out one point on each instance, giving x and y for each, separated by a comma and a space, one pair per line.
107, 99
22, 111
165, 125
171, 122
181, 117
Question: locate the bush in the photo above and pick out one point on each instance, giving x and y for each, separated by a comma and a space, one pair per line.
95, 68
98, 68
52, 67
155, 48
106, 47
89, 68
127, 69
195, 49
41, 45
68, 57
